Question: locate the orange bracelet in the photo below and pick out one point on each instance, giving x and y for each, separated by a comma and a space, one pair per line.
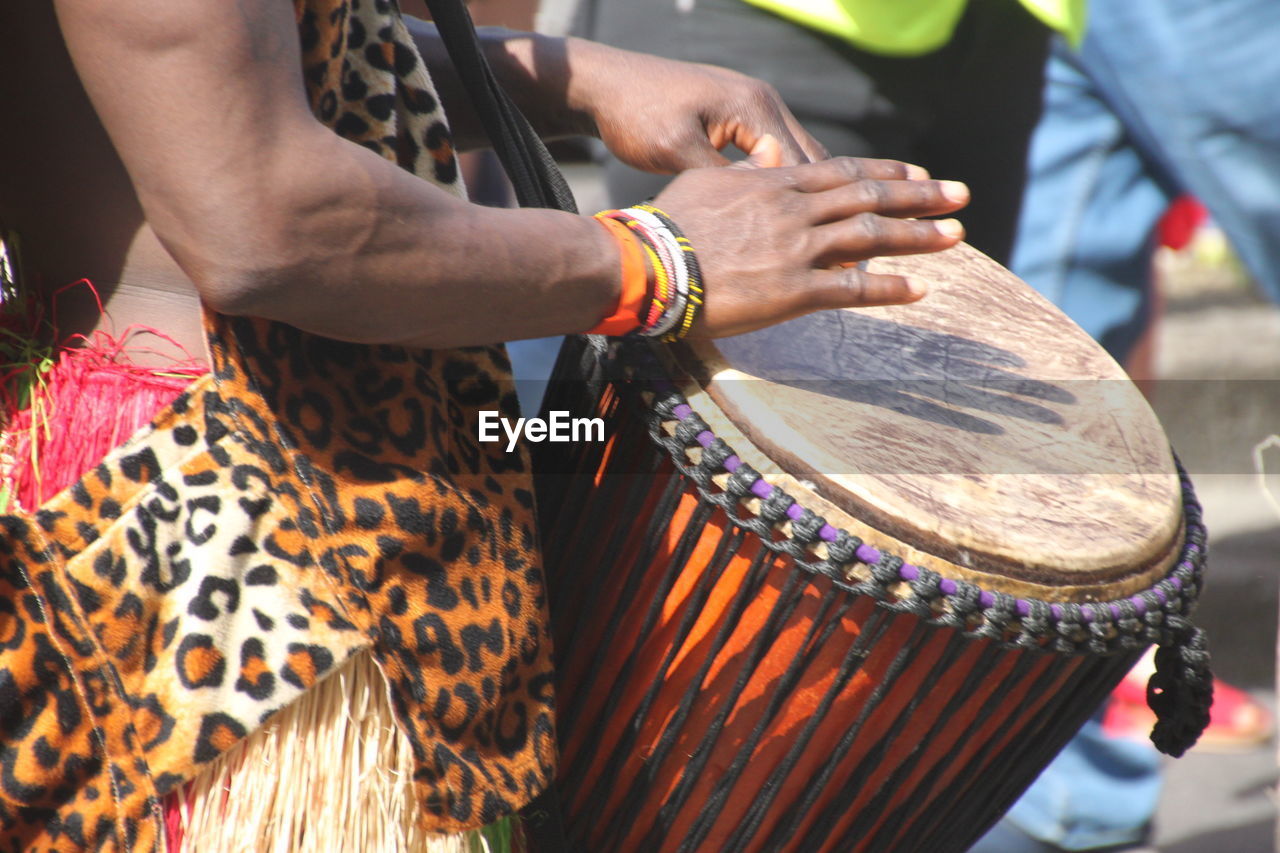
635, 282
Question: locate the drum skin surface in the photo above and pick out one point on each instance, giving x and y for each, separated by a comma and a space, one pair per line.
978, 429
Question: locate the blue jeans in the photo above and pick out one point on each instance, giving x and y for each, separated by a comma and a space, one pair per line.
1099, 792
1164, 96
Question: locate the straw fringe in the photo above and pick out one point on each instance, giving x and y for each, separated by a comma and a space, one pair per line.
331, 772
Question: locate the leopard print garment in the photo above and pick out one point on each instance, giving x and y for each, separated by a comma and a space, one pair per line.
307, 500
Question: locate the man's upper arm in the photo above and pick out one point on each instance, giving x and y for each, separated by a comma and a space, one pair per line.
201, 100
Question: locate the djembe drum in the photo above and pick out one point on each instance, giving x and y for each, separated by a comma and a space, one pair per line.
849, 583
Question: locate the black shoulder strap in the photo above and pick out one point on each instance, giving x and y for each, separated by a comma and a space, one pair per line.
535, 176
538, 183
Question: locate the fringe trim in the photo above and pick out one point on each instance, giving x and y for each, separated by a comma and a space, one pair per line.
331, 772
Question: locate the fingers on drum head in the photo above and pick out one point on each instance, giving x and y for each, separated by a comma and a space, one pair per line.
854, 287
839, 171
887, 198
867, 235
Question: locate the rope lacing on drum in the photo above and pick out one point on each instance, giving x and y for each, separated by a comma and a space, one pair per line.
1180, 691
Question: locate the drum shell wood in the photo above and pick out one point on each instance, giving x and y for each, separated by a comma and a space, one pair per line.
933, 755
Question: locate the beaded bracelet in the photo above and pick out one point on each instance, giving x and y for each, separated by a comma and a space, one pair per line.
692, 270
676, 295
645, 222
635, 283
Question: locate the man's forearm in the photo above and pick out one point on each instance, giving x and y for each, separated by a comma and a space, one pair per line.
542, 74
374, 255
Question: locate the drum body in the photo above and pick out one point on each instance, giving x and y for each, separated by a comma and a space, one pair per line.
764, 646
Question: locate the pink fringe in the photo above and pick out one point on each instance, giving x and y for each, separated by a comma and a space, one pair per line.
90, 401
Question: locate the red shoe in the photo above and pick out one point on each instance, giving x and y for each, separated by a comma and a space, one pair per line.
1237, 722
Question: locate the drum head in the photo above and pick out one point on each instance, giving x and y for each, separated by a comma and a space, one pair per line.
978, 431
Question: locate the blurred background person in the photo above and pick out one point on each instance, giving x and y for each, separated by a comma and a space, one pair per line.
1163, 97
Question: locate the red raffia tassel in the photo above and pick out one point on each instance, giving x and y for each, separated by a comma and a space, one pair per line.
65, 411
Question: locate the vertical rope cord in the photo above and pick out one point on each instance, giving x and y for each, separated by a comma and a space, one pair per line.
826, 620
630, 806
622, 748
876, 808
719, 797
991, 708
1031, 747
853, 661
576, 775
875, 755
1092, 687
592, 576
1011, 733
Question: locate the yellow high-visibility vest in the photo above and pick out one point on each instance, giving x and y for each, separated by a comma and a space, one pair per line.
909, 27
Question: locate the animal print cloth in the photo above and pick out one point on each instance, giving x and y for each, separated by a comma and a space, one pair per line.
306, 500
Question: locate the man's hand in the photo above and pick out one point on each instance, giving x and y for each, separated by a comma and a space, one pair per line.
656, 114
775, 243
660, 115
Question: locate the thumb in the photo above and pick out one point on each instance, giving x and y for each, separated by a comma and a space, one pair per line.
696, 153
765, 154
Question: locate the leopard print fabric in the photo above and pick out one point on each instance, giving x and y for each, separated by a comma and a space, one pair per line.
306, 500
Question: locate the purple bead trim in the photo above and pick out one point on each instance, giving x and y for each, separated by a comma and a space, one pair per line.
1162, 591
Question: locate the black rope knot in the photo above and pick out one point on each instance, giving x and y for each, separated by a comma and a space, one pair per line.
773, 509
843, 550
664, 406
806, 527
1180, 692
963, 605
741, 481
714, 455
687, 430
